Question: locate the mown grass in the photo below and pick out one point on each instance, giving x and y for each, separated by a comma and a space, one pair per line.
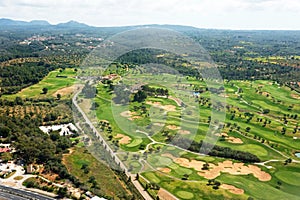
51, 82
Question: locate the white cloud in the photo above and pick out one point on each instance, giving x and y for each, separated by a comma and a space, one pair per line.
201, 13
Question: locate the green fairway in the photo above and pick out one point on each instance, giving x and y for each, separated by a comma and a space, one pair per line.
253, 124
54, 81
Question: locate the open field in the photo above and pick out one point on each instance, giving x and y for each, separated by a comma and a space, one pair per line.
56, 82
80, 157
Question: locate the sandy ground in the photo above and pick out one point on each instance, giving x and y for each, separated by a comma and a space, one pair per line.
223, 167
232, 189
184, 132
164, 170
224, 95
158, 124
127, 114
167, 108
234, 140
124, 139
67, 90
222, 134
266, 93
295, 96
173, 127
165, 195
178, 101
130, 115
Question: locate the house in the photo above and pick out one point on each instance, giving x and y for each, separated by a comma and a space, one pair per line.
4, 150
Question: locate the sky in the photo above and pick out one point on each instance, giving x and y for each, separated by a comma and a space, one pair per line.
218, 14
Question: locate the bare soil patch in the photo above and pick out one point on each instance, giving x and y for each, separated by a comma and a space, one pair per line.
67, 90
123, 139
232, 189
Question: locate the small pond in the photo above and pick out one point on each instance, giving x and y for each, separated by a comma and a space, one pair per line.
297, 155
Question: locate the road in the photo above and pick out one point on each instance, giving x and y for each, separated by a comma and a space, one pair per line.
13, 193
110, 151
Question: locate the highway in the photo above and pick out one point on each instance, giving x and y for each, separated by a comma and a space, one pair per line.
17, 194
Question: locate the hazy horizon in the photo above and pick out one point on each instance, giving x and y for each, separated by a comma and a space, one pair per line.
210, 14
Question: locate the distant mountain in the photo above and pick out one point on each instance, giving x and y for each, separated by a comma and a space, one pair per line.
40, 23
10, 22
72, 24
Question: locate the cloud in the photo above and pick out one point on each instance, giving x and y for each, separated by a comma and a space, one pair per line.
203, 13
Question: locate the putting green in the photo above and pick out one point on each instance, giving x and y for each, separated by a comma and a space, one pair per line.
135, 143
289, 177
185, 194
255, 149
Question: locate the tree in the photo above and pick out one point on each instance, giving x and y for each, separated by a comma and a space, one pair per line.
4, 131
137, 176
5, 157
248, 129
62, 192
19, 101
58, 96
140, 96
45, 90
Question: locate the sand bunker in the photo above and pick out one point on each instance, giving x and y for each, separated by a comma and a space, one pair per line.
224, 167
130, 115
222, 134
295, 96
184, 132
223, 95
173, 127
266, 94
178, 101
124, 139
165, 195
167, 108
158, 124
232, 189
234, 140
164, 170
127, 114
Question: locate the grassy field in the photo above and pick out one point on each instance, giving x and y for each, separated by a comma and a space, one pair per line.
102, 173
54, 81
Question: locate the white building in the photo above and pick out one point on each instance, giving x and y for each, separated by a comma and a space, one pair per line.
64, 129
